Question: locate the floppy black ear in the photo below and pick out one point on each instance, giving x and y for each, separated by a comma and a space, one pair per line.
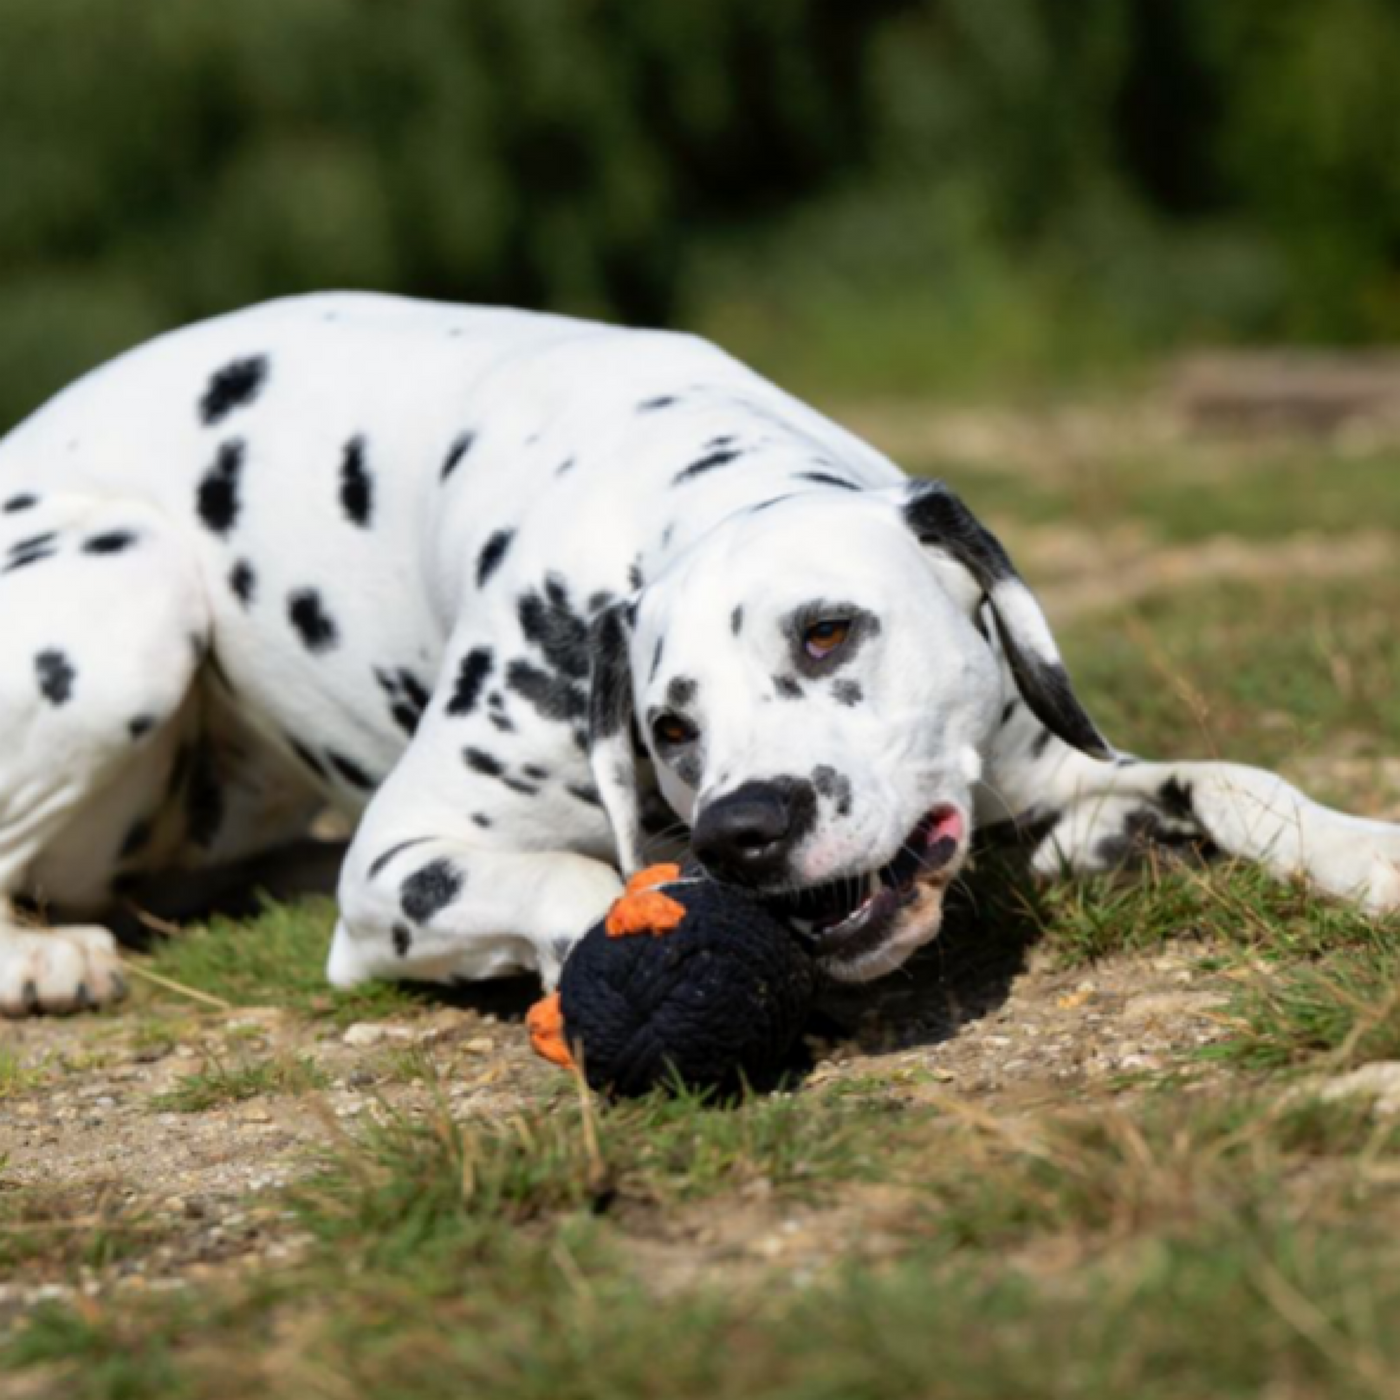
944, 524
610, 724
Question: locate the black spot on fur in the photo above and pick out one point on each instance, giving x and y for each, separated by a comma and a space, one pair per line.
834, 786
1008, 710
501, 723
56, 676
139, 727
349, 770
566, 466
471, 677
736, 620
585, 793
827, 479
243, 582
535, 772
1175, 797
549, 621
554, 697
482, 820
707, 463
216, 497
848, 692
636, 579
787, 687
307, 757
461, 445
235, 386
24, 501
406, 717
430, 890
416, 691
313, 624
516, 785
492, 552
658, 403
23, 561
31, 550
356, 484
408, 697
609, 704
32, 542
656, 657
403, 939
111, 542
479, 761
680, 692
1143, 832
1040, 743
377, 865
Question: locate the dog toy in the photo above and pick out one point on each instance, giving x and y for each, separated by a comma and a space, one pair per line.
685, 982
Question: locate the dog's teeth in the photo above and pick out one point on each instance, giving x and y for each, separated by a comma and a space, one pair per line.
803, 926
873, 885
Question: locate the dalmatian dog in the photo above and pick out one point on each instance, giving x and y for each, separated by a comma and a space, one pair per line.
516, 593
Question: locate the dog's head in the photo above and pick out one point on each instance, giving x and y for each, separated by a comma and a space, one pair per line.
816, 684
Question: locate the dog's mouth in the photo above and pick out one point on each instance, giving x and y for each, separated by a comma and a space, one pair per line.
848, 922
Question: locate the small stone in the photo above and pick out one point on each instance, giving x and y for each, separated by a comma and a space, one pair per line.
364, 1034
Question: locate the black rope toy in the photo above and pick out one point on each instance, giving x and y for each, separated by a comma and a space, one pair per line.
685, 983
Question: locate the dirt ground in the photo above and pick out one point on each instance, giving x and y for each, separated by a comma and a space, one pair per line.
95, 1128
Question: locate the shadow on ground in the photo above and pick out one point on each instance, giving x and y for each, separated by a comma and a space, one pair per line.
991, 922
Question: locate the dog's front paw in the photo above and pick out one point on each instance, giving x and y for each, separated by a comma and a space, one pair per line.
58, 970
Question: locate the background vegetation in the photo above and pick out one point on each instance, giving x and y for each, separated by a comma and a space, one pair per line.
905, 194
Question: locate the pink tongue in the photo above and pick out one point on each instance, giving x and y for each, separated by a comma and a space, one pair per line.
943, 835
945, 823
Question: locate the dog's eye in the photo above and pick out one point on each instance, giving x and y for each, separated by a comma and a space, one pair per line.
822, 638
670, 730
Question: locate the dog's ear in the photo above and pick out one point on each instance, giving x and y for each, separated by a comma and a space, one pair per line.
944, 525
611, 751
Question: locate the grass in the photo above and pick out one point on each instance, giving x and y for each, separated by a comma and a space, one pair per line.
17, 1074
277, 958
217, 1083
1260, 494
67, 1230
1080, 1255
1264, 673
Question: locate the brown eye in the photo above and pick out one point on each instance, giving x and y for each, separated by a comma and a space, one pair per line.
670, 730
822, 638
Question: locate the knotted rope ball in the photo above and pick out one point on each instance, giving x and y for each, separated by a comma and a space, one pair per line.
685, 982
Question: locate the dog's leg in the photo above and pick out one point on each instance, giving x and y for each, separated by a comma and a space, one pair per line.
476, 857
1089, 815
442, 909
102, 621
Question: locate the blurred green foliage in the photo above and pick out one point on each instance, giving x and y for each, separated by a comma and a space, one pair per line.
901, 193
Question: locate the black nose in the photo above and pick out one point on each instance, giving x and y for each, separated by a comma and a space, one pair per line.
746, 836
